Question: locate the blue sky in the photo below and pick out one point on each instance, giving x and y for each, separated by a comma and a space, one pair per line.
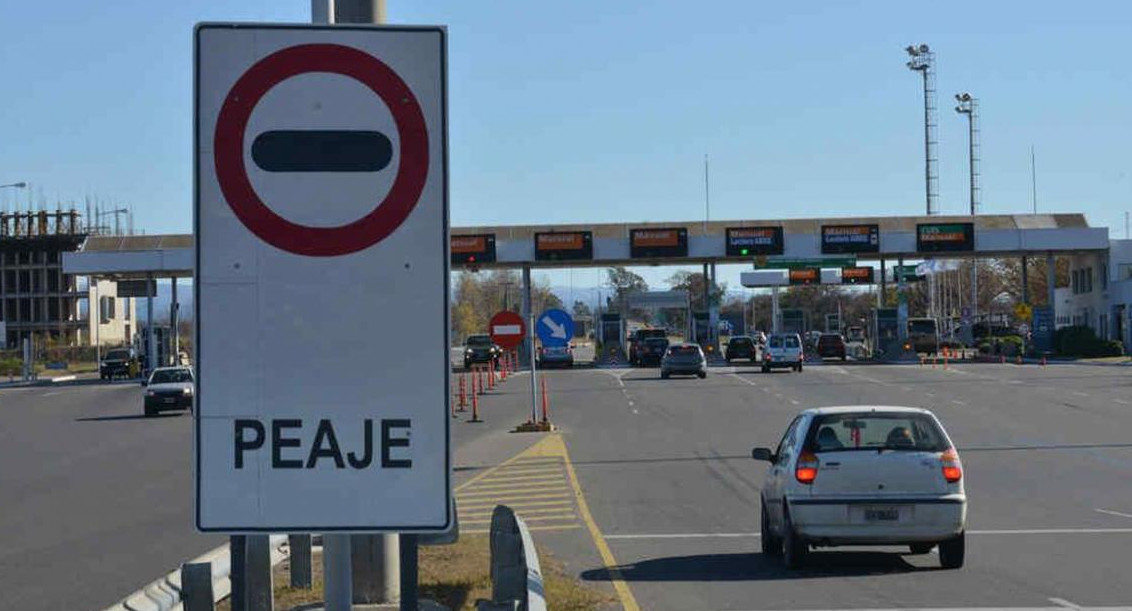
602, 111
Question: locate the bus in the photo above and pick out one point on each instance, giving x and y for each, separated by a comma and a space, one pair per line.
923, 335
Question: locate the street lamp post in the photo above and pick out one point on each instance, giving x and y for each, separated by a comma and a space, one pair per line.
969, 106
923, 61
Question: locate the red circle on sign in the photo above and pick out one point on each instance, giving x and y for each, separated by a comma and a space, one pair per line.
232, 174
510, 329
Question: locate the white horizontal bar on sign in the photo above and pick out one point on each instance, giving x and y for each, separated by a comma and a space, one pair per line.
507, 329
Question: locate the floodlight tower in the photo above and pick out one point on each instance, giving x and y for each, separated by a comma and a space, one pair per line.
922, 60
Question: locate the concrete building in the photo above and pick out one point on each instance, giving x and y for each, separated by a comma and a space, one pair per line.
38, 300
1099, 295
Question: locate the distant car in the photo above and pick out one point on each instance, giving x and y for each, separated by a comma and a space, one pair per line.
651, 352
741, 347
783, 350
479, 349
863, 475
637, 340
169, 388
560, 356
686, 359
115, 363
831, 345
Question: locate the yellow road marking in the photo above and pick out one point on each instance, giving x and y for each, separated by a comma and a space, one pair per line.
558, 474
531, 487
520, 496
570, 517
483, 531
628, 601
521, 512
517, 505
510, 461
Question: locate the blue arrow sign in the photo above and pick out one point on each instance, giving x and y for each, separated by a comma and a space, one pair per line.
555, 327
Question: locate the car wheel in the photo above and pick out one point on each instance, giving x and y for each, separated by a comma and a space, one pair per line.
771, 546
951, 552
150, 412
766, 369
843, 358
702, 374
664, 375
794, 550
920, 549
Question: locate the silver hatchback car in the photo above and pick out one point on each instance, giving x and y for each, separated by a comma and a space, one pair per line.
686, 359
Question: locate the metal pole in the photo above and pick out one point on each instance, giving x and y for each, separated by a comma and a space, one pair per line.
95, 314
775, 315
882, 299
237, 561
1025, 281
174, 310
409, 544
529, 316
336, 569
1051, 278
151, 343
927, 145
337, 551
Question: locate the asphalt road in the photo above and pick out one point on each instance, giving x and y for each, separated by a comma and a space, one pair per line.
96, 500
665, 468
99, 499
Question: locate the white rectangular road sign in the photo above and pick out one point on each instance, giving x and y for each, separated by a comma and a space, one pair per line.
321, 212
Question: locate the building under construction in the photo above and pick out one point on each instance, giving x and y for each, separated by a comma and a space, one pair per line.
37, 300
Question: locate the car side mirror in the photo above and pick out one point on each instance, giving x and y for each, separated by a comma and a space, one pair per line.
762, 454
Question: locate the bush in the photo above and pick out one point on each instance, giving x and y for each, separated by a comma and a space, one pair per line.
1080, 341
11, 367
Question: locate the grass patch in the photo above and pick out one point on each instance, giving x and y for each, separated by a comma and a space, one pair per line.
454, 576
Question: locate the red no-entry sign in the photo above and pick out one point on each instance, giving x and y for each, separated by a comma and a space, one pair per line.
507, 329
232, 173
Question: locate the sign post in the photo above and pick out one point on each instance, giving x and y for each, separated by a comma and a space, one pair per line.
321, 179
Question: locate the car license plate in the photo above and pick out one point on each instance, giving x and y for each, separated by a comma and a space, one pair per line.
882, 514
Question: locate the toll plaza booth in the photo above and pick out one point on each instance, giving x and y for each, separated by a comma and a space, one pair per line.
610, 337
886, 333
793, 321
701, 333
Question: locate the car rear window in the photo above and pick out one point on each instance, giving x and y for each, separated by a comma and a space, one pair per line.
653, 342
740, 341
875, 431
683, 350
792, 341
118, 355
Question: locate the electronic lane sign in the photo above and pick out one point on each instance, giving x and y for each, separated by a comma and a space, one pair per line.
945, 237
666, 242
857, 275
754, 241
849, 239
805, 275
472, 249
564, 246
321, 217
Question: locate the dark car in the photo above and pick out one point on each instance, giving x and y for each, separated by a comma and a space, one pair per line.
741, 347
169, 388
651, 352
687, 359
479, 350
561, 356
637, 340
115, 363
831, 345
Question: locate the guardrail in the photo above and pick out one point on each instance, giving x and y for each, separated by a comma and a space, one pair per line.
516, 577
167, 593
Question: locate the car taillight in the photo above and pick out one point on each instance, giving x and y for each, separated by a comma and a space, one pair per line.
807, 469
952, 468
766, 356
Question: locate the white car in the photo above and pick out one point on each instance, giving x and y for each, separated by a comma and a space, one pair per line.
863, 475
782, 350
169, 388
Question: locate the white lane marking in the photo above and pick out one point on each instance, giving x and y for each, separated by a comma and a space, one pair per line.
792, 402
765, 389
744, 380
906, 388
929, 394
1115, 513
778, 396
958, 402
1079, 393
1061, 602
1122, 402
739, 535
1017, 382
52, 393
